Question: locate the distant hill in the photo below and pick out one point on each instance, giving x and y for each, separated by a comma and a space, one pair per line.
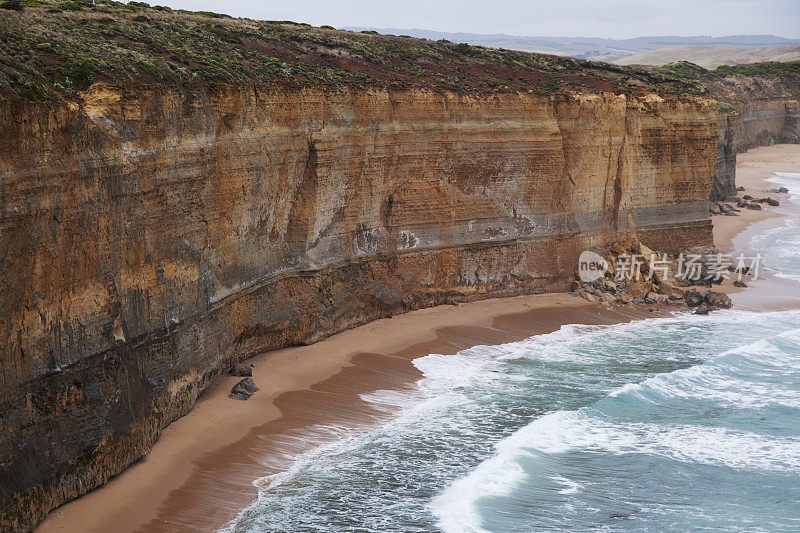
592, 48
713, 56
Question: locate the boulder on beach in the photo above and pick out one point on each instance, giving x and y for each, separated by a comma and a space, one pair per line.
240, 370
588, 296
608, 298
717, 300
639, 289
693, 298
244, 389
702, 309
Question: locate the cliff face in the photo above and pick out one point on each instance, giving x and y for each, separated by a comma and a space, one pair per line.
151, 238
753, 123
766, 121
756, 111
724, 183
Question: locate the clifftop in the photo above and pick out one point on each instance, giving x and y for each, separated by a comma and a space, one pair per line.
52, 47
738, 83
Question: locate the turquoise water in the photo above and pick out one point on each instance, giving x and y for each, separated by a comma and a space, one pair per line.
672, 424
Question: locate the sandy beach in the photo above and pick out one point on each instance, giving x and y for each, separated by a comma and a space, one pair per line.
200, 473
733, 234
201, 470
752, 168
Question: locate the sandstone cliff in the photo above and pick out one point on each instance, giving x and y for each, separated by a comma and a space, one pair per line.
756, 109
154, 232
758, 106
759, 111
748, 123
150, 239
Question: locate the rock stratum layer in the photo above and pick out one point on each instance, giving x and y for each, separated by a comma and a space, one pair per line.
152, 238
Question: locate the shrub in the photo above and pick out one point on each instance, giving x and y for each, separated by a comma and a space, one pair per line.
209, 14
71, 6
754, 69
16, 5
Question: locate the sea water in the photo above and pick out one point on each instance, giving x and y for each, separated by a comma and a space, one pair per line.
682, 423
781, 245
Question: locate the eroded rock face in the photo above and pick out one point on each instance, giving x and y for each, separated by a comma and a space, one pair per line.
758, 111
150, 240
724, 184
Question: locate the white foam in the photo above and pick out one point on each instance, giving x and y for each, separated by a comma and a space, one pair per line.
447, 380
789, 180
565, 431
716, 380
570, 487
455, 508
586, 430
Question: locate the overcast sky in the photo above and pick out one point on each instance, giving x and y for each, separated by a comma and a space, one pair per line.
587, 18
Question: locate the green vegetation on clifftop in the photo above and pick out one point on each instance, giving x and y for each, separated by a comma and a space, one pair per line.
54, 47
730, 84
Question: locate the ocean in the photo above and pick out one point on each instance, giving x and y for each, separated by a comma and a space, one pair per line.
680, 423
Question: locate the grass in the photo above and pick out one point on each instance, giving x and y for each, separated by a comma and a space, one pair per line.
757, 69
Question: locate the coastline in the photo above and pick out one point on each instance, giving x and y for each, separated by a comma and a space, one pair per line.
200, 472
752, 169
733, 234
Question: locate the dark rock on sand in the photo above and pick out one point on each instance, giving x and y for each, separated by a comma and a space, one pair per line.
244, 389
717, 300
241, 371
693, 298
738, 283
702, 309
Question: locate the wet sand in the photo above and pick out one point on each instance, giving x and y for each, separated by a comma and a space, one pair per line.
200, 473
